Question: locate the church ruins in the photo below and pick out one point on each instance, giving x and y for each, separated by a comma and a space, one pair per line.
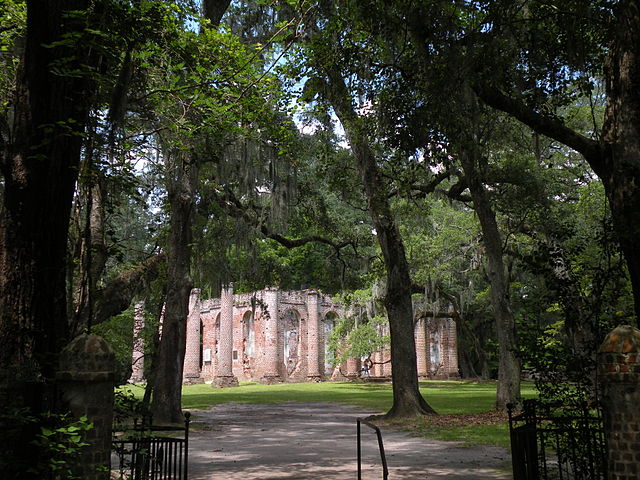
275, 336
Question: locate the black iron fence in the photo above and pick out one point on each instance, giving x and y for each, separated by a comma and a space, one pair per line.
557, 442
383, 458
151, 452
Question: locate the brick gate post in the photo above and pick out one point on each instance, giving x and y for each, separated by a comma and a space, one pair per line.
86, 380
619, 378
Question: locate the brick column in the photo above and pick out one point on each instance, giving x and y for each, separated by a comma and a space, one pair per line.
453, 348
270, 325
353, 367
86, 380
377, 364
137, 355
421, 347
191, 371
224, 374
313, 337
619, 377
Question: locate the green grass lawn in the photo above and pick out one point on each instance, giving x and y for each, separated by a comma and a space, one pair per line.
466, 407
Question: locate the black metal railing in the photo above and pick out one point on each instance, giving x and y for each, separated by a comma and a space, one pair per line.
152, 452
385, 470
551, 441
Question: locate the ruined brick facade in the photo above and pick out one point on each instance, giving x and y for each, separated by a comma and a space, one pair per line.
275, 336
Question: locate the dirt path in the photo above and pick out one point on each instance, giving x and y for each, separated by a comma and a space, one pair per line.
318, 441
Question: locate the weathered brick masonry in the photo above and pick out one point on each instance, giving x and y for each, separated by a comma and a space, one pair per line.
619, 375
274, 336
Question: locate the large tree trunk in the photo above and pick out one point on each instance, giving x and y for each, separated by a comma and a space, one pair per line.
508, 363
508, 389
39, 163
181, 177
407, 400
620, 170
92, 256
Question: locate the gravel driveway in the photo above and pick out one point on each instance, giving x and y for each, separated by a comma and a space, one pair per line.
318, 441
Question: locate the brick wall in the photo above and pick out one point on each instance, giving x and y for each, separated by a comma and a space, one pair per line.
308, 313
619, 379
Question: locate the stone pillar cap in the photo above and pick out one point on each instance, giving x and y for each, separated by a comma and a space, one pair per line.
87, 357
622, 339
88, 343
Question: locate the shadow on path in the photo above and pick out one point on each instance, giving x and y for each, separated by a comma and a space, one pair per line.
318, 441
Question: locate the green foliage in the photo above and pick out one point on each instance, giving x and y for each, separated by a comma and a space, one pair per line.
361, 331
573, 291
367, 338
13, 15
60, 441
118, 332
127, 406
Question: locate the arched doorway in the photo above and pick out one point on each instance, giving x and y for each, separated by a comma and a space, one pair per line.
328, 324
291, 329
201, 340
216, 344
248, 343
435, 357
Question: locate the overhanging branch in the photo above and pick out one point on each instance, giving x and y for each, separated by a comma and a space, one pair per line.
229, 202
549, 126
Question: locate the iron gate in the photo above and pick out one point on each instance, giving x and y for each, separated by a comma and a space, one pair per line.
551, 441
152, 452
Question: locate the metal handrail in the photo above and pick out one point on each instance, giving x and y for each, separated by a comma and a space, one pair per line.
385, 470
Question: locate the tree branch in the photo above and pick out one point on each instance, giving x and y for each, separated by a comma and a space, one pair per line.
549, 126
228, 201
116, 297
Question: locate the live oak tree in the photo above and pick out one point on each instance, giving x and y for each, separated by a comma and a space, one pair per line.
381, 63
561, 47
219, 94
407, 400
328, 82
531, 59
41, 138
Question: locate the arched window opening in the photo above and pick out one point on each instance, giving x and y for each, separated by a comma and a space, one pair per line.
201, 344
435, 356
291, 324
249, 334
328, 324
